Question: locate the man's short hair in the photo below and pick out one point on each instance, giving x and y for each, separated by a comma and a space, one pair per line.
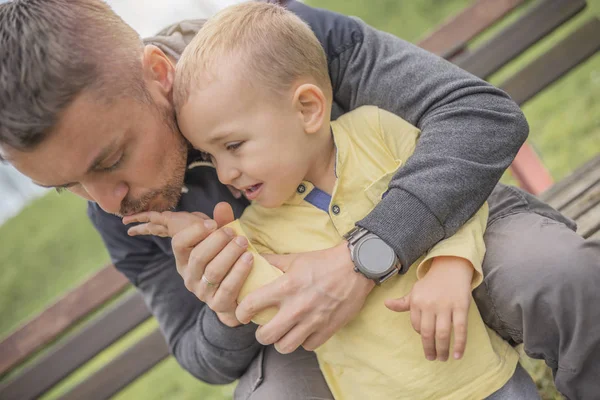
272, 46
53, 50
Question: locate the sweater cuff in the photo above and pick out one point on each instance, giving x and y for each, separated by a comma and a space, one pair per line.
406, 224
225, 337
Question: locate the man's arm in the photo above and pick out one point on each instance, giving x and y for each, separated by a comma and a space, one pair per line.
471, 131
203, 345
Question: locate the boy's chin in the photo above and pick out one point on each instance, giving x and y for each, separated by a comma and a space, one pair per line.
269, 203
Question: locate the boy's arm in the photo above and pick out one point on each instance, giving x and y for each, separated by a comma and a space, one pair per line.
261, 274
470, 130
466, 243
172, 224
439, 302
401, 138
200, 342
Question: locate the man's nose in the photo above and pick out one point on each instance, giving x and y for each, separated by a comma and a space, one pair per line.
109, 196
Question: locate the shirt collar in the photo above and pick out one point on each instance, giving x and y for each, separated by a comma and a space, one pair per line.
341, 144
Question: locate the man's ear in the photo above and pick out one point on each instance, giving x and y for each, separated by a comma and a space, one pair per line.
310, 101
159, 71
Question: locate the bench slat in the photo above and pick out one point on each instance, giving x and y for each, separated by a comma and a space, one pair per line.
538, 22
537, 76
60, 316
122, 370
582, 204
76, 351
563, 192
589, 222
562, 58
455, 33
578, 197
559, 195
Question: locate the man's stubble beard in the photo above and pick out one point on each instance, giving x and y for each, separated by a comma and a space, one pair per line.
170, 191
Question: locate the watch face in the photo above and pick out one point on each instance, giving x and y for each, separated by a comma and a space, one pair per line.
375, 256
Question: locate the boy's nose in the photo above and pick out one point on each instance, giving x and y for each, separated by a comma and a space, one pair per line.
227, 175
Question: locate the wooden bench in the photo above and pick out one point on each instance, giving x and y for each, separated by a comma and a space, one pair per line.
578, 196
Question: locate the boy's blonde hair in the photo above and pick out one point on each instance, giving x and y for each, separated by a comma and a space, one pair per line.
271, 45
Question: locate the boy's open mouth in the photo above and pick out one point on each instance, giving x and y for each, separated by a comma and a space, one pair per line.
252, 191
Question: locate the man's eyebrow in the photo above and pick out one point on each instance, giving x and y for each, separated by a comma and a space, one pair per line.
104, 153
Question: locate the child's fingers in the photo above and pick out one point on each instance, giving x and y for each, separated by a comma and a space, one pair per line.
442, 335
415, 319
200, 215
428, 335
148, 229
399, 305
459, 321
147, 216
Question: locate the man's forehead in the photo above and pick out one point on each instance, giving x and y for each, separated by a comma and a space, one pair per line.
83, 134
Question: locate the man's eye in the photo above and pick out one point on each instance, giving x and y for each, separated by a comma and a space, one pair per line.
62, 189
114, 166
233, 146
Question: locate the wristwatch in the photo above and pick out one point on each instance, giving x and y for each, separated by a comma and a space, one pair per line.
371, 256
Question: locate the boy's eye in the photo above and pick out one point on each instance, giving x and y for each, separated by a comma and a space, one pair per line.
233, 146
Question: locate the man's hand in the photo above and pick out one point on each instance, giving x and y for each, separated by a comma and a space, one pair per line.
437, 303
213, 263
318, 294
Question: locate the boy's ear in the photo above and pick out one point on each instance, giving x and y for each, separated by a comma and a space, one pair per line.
159, 71
310, 101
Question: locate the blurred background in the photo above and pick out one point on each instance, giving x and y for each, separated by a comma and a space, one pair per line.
47, 245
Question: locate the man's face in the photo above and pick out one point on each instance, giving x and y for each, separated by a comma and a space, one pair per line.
257, 144
126, 156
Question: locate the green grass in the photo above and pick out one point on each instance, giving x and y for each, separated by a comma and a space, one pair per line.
51, 246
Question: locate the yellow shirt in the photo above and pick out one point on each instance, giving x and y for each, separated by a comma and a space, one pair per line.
378, 355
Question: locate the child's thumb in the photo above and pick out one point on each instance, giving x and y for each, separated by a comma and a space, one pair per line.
399, 305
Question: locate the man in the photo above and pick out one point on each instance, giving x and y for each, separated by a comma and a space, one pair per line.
86, 107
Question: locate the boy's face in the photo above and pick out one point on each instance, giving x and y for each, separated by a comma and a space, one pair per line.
257, 143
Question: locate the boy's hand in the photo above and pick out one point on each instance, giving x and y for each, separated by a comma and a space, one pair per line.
163, 224
437, 303
203, 253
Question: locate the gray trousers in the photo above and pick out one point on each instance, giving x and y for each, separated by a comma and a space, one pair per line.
541, 288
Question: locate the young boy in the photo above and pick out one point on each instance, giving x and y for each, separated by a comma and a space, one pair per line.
252, 91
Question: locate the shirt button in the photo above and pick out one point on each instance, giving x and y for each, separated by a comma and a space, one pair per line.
301, 189
335, 209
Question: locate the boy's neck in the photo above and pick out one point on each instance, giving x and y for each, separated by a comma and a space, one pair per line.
322, 171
